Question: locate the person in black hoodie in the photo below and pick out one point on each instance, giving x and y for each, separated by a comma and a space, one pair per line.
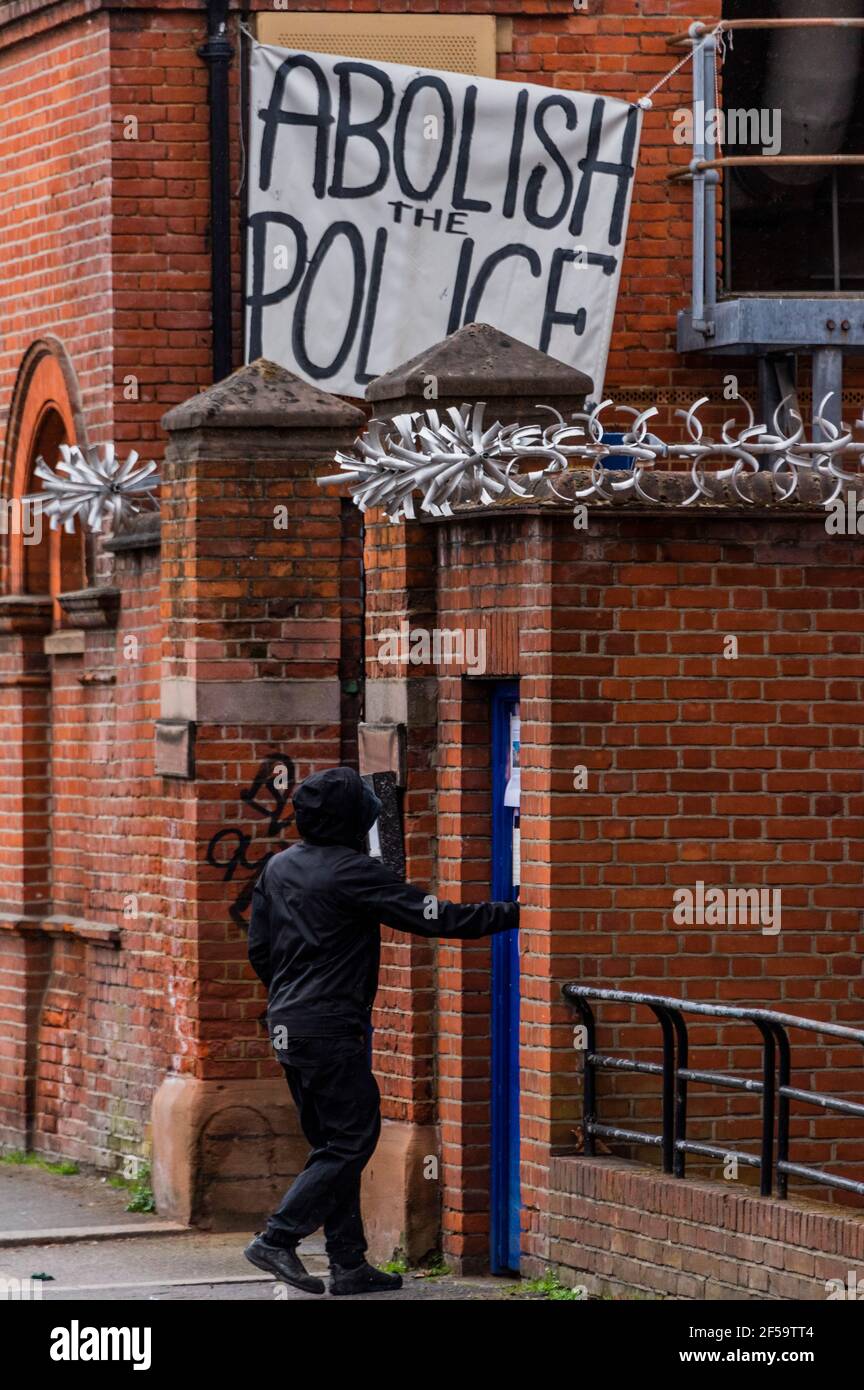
314, 941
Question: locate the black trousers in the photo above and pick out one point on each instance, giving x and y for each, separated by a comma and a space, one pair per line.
340, 1113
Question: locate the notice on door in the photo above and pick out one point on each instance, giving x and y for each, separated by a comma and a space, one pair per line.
513, 787
390, 205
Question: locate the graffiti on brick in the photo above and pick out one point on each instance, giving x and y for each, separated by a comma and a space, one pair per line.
228, 850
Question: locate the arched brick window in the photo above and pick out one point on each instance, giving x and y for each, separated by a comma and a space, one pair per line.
44, 414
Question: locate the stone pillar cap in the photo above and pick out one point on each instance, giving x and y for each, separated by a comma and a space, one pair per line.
263, 395
479, 362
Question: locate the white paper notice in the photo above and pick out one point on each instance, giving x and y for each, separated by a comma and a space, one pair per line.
513, 788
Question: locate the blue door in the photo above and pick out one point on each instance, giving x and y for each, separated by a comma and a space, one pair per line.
505, 1203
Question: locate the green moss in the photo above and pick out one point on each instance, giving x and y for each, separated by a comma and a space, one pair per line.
17, 1157
550, 1287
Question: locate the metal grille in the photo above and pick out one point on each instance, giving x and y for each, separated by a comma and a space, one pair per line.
461, 44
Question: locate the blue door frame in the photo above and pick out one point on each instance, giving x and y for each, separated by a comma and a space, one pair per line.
505, 1201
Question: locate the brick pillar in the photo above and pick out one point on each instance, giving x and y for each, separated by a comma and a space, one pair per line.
25, 891
260, 615
447, 797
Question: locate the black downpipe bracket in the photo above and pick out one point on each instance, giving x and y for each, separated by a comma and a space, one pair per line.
217, 53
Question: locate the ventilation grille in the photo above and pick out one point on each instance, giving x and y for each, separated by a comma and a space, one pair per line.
459, 44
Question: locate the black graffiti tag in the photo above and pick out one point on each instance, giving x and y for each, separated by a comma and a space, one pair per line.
228, 849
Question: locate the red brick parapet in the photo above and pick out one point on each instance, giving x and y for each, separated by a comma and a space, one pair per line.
616, 1227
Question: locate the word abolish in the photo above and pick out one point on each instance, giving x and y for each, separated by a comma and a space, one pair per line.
389, 206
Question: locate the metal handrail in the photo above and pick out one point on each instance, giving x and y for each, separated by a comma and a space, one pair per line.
703, 169
736, 161
775, 1087
699, 29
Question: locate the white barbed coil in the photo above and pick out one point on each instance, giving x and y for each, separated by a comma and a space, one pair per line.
94, 487
436, 463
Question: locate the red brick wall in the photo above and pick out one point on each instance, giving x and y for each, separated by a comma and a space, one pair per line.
105, 247
742, 773
160, 207
109, 253
113, 1011
55, 206
621, 1230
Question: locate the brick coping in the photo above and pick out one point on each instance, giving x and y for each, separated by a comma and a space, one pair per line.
735, 1208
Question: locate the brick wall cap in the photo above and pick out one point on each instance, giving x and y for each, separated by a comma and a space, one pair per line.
262, 395
761, 495
477, 362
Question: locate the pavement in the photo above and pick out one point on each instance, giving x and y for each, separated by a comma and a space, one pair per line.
76, 1231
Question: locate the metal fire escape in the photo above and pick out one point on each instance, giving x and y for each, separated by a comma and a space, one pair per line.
775, 328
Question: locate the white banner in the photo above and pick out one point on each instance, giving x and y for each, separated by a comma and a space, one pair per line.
390, 205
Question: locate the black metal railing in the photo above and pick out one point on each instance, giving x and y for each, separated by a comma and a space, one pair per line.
775, 1088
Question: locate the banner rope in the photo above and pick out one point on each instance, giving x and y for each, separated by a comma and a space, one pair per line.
645, 102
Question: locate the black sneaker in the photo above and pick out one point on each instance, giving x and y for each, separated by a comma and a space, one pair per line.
364, 1278
284, 1263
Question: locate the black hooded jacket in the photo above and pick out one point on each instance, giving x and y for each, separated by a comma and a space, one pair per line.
314, 934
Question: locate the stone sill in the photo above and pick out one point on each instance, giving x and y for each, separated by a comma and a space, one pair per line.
91, 608
68, 641
60, 925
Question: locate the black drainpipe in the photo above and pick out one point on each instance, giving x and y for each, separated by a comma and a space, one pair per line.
217, 54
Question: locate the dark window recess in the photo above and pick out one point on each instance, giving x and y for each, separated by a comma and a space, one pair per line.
795, 228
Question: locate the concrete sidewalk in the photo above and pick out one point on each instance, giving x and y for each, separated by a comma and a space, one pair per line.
34, 1202
196, 1266
75, 1230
